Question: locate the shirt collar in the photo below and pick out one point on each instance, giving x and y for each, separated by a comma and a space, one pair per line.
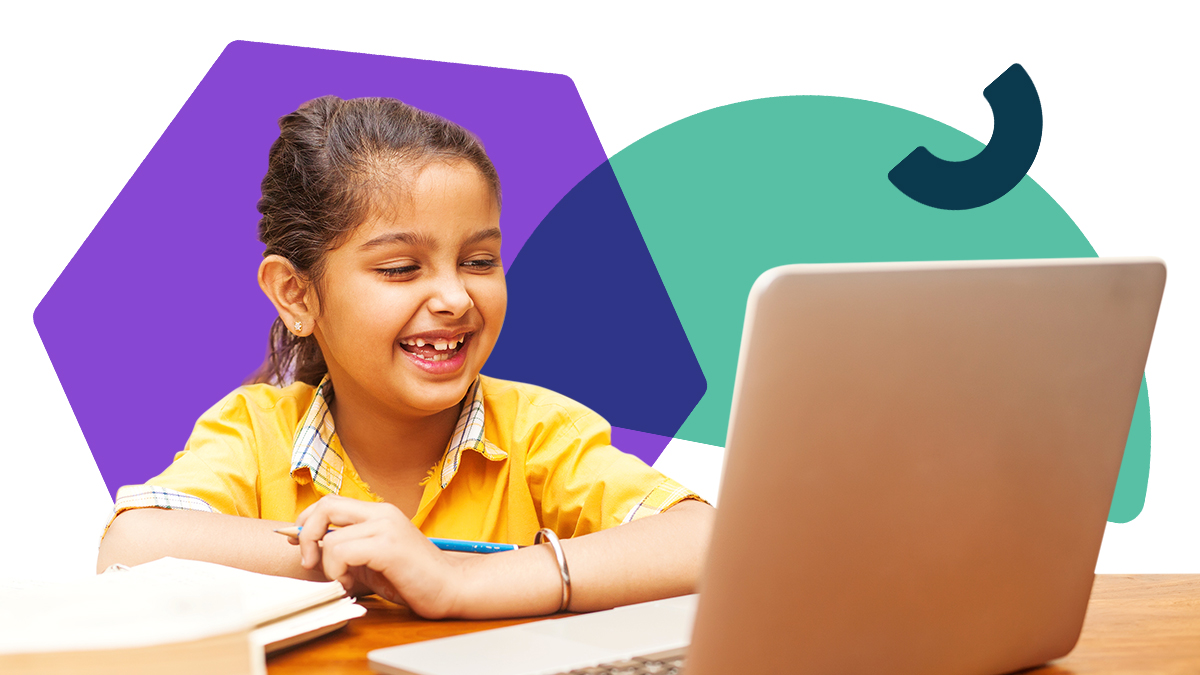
317, 456
468, 434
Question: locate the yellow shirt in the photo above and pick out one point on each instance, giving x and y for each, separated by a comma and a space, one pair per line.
521, 458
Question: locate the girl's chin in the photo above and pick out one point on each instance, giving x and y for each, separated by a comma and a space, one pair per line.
436, 394
429, 403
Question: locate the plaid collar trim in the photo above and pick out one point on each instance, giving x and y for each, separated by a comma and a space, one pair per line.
315, 459
468, 434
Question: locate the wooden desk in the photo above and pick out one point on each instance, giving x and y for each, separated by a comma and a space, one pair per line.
1145, 623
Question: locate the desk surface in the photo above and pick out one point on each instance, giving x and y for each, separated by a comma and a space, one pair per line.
1147, 623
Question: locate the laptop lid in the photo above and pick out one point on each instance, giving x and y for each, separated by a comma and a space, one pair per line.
920, 463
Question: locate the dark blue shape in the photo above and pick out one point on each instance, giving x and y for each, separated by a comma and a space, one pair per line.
1003, 162
589, 317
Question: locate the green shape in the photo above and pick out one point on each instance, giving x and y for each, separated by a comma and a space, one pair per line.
1130, 496
725, 194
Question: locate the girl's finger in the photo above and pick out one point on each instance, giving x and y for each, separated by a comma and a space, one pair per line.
313, 521
321, 503
316, 519
342, 511
367, 528
338, 559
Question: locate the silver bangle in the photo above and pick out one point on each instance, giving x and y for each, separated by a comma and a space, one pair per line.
547, 535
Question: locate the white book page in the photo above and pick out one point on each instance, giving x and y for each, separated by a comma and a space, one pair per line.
264, 597
310, 621
160, 602
114, 611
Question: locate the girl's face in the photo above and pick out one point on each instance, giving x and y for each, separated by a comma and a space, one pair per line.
411, 305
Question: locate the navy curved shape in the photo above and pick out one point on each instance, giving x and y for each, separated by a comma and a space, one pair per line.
989, 175
589, 317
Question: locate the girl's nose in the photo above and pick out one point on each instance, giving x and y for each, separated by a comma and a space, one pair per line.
450, 297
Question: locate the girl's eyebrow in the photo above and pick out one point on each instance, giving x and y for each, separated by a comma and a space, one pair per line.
483, 235
410, 238
424, 240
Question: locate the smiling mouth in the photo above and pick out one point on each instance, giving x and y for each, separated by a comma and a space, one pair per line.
435, 349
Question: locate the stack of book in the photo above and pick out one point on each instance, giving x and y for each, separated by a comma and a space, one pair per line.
177, 616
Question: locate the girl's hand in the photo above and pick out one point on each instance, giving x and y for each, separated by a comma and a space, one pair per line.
378, 547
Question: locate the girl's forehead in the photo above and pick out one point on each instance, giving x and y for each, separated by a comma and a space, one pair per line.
443, 202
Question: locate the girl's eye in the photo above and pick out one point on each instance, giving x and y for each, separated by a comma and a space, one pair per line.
485, 263
398, 271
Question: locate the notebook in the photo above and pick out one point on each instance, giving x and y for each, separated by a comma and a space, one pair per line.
182, 615
920, 463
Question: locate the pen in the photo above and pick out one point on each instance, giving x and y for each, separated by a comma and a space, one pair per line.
461, 545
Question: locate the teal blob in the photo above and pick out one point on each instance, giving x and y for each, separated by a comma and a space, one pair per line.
1130, 495
726, 194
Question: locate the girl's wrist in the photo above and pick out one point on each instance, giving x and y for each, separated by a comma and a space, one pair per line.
513, 583
460, 591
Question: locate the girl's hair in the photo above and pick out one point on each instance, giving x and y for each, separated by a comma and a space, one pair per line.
332, 161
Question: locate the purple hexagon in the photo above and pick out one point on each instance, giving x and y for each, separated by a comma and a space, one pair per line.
158, 315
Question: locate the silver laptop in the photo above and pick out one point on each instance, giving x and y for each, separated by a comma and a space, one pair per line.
920, 463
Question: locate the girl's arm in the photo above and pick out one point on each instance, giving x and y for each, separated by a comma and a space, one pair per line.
142, 535
654, 557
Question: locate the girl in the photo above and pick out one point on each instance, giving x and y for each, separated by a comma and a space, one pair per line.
383, 261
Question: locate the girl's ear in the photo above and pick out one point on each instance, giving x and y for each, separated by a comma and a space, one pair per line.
293, 295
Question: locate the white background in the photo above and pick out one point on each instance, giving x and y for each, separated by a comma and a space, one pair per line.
88, 90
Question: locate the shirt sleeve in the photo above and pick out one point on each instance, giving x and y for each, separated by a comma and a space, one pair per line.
583, 484
217, 470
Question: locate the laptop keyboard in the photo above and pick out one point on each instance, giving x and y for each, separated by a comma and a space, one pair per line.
663, 663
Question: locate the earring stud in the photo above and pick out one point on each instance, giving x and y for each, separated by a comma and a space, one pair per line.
297, 326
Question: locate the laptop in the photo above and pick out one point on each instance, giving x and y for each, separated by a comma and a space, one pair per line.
920, 463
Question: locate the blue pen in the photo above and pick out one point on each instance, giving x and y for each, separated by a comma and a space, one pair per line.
471, 546
460, 545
